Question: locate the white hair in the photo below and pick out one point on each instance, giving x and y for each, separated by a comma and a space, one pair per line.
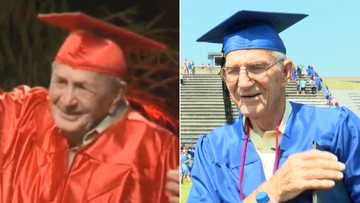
278, 55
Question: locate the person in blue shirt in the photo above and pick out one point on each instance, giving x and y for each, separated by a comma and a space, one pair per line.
293, 75
290, 151
299, 71
302, 85
318, 83
310, 71
184, 167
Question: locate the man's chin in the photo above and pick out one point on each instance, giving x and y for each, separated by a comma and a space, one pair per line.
69, 131
68, 128
251, 111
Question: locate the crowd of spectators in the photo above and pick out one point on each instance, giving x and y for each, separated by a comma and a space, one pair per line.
315, 83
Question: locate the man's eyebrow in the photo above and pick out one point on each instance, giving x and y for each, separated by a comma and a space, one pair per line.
58, 76
262, 62
249, 63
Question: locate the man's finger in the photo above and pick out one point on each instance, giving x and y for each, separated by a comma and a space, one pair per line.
323, 174
172, 187
173, 175
316, 154
174, 199
323, 164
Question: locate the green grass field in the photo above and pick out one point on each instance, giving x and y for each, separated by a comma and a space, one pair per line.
343, 83
185, 189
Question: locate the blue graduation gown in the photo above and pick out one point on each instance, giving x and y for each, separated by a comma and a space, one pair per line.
216, 170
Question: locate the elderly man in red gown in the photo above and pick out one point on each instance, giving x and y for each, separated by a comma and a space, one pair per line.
80, 141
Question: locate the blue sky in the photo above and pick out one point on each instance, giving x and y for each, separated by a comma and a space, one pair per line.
329, 37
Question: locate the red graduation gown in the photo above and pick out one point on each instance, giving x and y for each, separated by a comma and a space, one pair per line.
126, 163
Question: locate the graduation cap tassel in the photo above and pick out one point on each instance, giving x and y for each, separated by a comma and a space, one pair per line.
227, 104
226, 98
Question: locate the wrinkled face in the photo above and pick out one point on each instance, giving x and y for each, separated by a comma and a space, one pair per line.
79, 99
256, 92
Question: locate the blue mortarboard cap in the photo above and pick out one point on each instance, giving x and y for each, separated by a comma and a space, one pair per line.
252, 30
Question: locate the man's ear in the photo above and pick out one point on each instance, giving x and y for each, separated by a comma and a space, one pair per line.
119, 98
288, 67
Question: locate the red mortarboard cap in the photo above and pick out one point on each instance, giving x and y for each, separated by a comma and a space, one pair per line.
95, 45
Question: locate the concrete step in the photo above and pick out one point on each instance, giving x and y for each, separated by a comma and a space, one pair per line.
203, 106
186, 102
202, 122
185, 116
204, 90
198, 130
202, 117
202, 114
202, 78
203, 82
196, 123
192, 140
192, 136
199, 75
209, 127
195, 133
203, 110
199, 97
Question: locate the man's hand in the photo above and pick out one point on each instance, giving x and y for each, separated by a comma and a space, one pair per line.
172, 186
311, 170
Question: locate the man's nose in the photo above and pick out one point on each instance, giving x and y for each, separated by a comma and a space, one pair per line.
69, 98
244, 81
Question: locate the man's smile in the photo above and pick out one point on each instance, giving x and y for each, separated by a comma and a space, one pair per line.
249, 96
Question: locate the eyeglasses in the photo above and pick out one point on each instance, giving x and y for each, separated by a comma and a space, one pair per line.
232, 73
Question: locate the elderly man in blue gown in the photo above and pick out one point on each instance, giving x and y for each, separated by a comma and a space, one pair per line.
288, 151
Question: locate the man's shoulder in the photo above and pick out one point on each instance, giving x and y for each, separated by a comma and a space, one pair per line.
147, 130
228, 131
324, 117
138, 119
223, 142
131, 138
24, 99
25, 92
311, 112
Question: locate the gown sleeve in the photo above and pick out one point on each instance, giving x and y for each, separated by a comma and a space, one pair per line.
16, 108
149, 180
347, 148
10, 108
